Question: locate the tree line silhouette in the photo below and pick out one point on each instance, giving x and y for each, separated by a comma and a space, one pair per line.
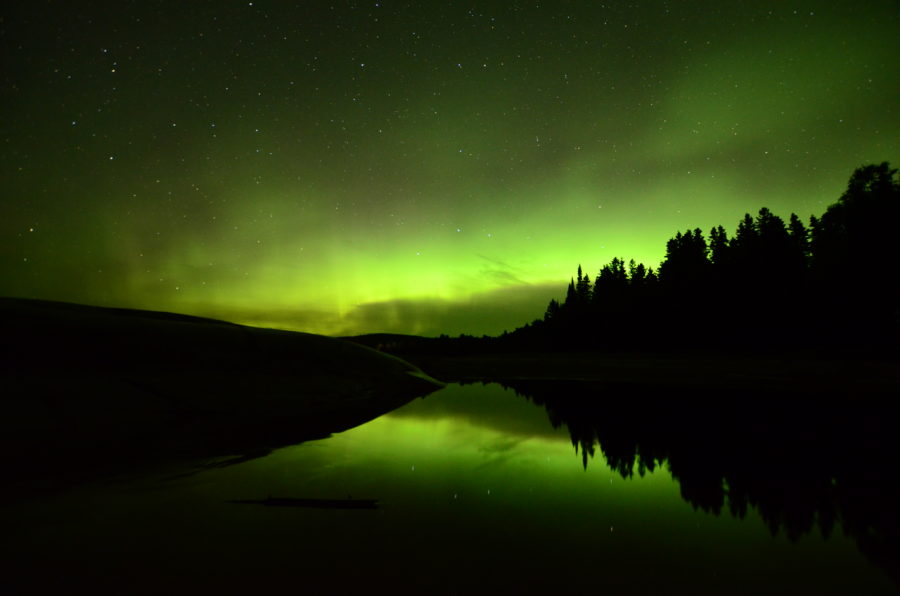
771, 283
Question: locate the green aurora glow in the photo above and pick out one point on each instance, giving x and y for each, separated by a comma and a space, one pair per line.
419, 168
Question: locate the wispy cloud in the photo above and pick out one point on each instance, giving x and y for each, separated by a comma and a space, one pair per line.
489, 312
500, 271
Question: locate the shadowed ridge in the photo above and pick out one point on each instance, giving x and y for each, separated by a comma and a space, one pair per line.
25, 306
45, 333
90, 391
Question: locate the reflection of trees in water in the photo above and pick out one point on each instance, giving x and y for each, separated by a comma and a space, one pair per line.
799, 463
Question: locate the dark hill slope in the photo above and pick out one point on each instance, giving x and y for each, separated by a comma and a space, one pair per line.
86, 388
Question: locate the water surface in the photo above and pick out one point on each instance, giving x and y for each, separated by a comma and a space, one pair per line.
477, 492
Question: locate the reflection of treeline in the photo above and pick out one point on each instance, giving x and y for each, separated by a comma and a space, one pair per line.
770, 282
800, 463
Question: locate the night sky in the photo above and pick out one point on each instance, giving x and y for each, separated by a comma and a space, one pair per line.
429, 167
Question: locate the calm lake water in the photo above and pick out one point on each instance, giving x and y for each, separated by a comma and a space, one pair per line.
477, 492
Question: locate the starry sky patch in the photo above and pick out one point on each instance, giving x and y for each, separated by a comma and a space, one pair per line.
349, 167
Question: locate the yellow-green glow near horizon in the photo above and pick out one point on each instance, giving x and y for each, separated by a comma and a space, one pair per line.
415, 168
478, 442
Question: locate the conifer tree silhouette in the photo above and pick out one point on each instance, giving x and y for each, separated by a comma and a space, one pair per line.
836, 271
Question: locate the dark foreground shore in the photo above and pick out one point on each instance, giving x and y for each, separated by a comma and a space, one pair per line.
799, 373
89, 392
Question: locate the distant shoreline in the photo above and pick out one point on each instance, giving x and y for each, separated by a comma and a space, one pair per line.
796, 372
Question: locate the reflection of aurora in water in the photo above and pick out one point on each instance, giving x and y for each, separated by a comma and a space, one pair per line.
477, 494
798, 466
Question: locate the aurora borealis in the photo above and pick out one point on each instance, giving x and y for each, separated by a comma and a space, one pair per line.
431, 167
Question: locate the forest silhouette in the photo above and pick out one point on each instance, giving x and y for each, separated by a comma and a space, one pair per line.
829, 282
